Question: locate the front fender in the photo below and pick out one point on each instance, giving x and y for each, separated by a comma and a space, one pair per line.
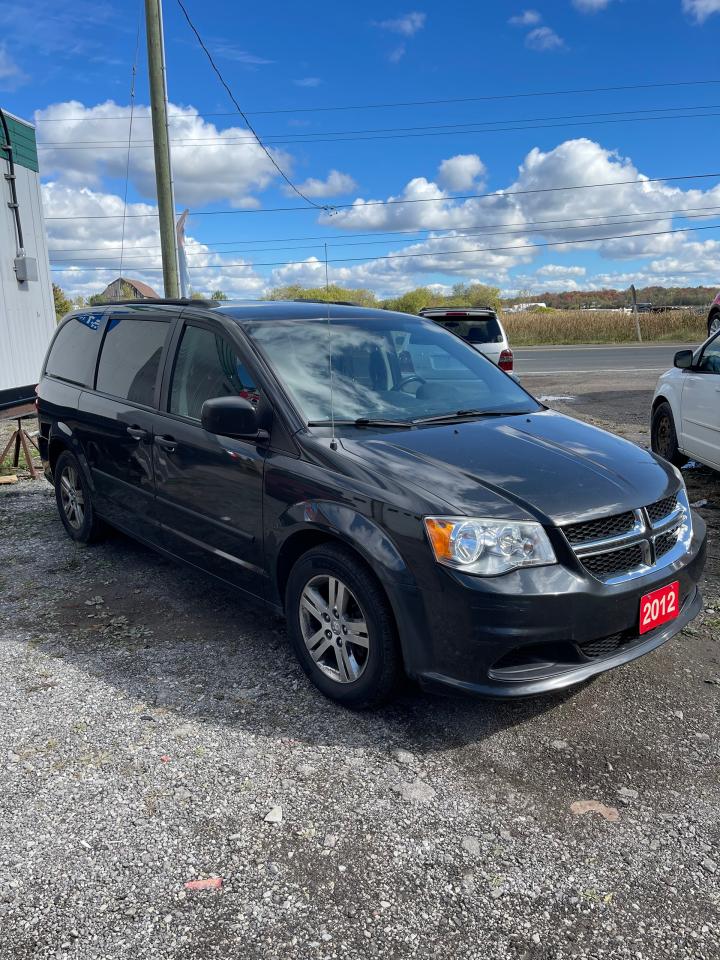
346, 525
350, 526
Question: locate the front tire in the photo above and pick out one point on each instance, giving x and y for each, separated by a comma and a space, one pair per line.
713, 323
342, 628
663, 436
74, 503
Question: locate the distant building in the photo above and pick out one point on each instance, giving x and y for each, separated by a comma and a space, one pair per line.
126, 289
522, 307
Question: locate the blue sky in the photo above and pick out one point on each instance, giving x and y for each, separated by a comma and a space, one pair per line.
70, 70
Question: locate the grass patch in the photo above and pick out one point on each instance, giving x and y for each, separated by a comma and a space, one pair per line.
602, 326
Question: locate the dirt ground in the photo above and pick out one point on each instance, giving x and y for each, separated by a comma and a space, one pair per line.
152, 723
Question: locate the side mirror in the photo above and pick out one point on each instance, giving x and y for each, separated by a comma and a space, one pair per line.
684, 359
230, 417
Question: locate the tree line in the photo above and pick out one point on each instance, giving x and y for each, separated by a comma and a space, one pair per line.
462, 294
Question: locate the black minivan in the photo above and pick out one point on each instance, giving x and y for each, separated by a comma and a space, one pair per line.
406, 504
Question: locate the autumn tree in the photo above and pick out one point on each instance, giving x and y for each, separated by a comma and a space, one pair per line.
62, 304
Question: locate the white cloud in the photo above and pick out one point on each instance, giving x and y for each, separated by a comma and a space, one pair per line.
461, 172
397, 53
209, 163
334, 185
11, 74
407, 25
544, 38
93, 244
228, 51
591, 6
558, 270
528, 18
700, 10
308, 82
487, 237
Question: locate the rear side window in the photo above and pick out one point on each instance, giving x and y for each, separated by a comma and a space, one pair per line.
474, 329
130, 358
207, 367
74, 351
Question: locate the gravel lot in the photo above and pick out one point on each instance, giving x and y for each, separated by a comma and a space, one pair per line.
153, 722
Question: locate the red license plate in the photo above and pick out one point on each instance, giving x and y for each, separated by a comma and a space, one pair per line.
659, 607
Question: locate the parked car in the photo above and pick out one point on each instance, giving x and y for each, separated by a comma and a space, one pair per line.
406, 504
686, 407
480, 327
714, 316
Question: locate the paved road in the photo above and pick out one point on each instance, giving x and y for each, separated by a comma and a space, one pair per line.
650, 357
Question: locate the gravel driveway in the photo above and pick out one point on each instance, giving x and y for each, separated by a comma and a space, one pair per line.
157, 731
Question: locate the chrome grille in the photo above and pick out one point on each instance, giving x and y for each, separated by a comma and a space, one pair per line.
600, 529
626, 545
665, 542
614, 563
662, 508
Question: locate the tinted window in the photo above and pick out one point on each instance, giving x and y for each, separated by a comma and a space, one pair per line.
74, 350
484, 329
130, 358
710, 361
207, 367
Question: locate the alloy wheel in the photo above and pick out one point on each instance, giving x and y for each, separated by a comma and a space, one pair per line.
334, 628
715, 324
72, 496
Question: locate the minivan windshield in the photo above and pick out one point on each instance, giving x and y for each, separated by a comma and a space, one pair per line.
392, 369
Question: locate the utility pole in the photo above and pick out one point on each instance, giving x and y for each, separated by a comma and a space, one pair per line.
161, 145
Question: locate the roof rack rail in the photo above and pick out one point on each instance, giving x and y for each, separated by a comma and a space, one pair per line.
336, 303
175, 302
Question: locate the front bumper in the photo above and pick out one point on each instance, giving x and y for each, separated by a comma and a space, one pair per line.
535, 630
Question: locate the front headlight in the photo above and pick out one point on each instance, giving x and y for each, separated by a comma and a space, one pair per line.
488, 547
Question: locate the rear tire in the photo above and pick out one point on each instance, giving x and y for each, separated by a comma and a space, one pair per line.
663, 436
713, 323
74, 503
342, 628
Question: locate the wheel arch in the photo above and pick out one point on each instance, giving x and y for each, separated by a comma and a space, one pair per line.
713, 315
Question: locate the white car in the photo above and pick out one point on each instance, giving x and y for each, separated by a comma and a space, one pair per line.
478, 326
686, 407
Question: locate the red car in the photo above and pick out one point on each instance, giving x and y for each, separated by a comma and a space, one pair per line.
714, 316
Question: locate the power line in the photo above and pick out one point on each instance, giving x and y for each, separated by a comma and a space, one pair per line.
250, 127
421, 103
350, 137
436, 126
489, 231
497, 195
430, 255
459, 231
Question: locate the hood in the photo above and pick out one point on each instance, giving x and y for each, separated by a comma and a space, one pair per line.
544, 464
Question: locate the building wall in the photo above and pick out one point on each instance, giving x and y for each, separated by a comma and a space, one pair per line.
27, 313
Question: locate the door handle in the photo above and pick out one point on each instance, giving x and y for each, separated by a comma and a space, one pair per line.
137, 433
167, 443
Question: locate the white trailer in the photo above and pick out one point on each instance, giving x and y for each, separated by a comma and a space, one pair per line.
27, 313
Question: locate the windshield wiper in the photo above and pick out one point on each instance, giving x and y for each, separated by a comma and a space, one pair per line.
464, 414
362, 422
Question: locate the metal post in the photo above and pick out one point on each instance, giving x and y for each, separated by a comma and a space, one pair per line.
161, 143
635, 312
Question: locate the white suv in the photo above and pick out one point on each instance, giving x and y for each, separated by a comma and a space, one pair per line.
686, 407
478, 326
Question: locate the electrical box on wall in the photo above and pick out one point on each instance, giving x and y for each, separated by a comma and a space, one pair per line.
26, 269
27, 311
